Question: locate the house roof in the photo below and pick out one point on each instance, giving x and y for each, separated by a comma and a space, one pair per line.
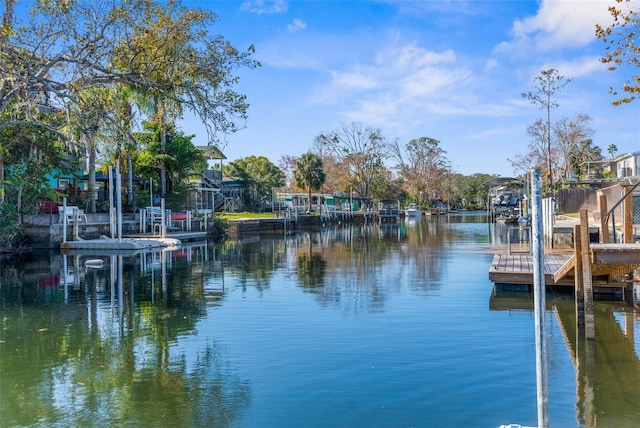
502, 181
212, 152
599, 162
101, 176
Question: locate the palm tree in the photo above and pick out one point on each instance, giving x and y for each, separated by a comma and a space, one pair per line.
85, 121
125, 99
308, 173
129, 101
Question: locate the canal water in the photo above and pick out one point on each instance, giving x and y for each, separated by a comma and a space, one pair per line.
363, 326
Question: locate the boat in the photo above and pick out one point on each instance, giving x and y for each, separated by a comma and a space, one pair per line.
525, 220
389, 211
412, 210
94, 263
506, 197
511, 217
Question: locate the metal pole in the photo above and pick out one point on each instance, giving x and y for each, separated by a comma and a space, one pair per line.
64, 221
65, 266
120, 289
119, 201
539, 301
112, 220
163, 219
613, 226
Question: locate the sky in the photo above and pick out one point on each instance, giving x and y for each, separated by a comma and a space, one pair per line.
451, 70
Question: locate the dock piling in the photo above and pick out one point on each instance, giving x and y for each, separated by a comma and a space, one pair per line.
587, 278
579, 289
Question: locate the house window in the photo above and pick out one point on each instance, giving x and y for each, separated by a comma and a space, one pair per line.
63, 183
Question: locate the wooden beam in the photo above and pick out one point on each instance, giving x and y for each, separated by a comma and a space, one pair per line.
587, 279
615, 253
579, 289
569, 265
605, 237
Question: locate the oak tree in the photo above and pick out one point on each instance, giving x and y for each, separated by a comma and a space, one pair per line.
622, 51
424, 167
55, 53
258, 176
361, 150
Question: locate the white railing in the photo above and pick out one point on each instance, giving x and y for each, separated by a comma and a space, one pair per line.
548, 218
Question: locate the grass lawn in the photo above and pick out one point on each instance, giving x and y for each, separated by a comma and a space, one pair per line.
244, 214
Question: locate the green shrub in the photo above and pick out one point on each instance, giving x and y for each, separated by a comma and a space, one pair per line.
11, 231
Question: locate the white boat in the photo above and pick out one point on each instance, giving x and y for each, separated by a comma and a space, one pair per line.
94, 263
412, 210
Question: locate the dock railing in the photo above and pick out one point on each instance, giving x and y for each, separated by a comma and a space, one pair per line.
627, 213
522, 244
548, 219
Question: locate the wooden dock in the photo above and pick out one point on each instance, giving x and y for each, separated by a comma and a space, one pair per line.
610, 264
517, 268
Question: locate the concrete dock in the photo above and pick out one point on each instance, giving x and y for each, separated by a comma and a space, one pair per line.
133, 242
120, 244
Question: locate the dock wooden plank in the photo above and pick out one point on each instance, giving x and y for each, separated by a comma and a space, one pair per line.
565, 269
548, 264
517, 268
615, 253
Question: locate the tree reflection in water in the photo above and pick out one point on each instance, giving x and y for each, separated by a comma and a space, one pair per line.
78, 348
221, 335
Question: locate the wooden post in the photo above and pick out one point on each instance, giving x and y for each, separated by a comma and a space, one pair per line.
76, 226
605, 238
118, 201
577, 268
587, 278
629, 328
627, 217
585, 381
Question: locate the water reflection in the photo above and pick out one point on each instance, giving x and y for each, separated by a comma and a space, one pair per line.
607, 370
136, 339
82, 343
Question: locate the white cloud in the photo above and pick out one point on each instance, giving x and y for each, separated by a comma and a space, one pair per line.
360, 78
579, 67
408, 70
558, 24
403, 86
491, 64
265, 7
296, 25
570, 68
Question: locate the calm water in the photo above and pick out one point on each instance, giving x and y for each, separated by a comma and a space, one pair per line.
370, 326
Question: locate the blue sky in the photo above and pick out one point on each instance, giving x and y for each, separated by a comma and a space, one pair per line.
449, 70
